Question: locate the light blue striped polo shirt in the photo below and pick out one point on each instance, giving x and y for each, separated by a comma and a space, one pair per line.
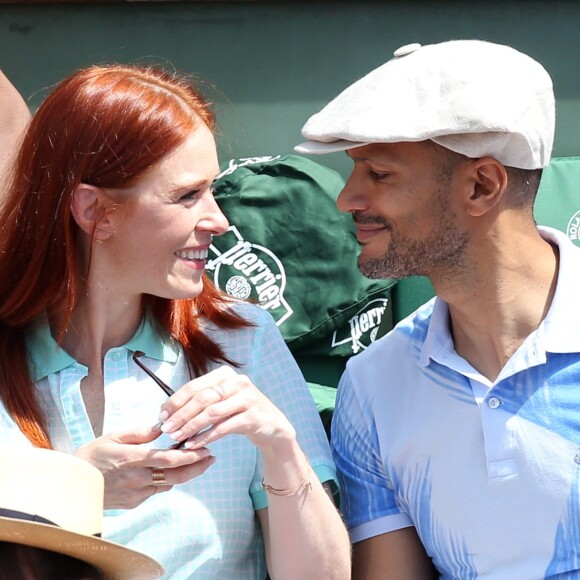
487, 472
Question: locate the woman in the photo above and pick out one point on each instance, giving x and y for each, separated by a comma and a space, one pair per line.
103, 241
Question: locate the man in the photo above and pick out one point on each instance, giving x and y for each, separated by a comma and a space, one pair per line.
457, 435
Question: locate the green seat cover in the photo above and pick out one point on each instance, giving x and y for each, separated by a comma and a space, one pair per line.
558, 201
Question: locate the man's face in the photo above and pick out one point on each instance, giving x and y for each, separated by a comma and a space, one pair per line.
400, 196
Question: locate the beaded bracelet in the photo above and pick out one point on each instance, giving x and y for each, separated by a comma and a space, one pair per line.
305, 483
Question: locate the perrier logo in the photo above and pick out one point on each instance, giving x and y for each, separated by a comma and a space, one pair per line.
363, 327
246, 270
573, 229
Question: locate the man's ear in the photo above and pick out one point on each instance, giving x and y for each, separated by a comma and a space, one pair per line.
91, 208
489, 181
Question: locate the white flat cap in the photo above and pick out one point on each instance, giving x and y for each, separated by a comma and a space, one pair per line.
473, 97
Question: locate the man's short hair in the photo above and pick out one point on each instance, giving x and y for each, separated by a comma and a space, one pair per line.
523, 184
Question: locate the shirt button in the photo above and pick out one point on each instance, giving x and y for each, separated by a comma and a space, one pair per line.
493, 403
577, 457
116, 356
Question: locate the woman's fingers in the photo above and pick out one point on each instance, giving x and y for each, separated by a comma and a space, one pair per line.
133, 436
133, 471
197, 402
232, 405
174, 458
197, 396
201, 391
211, 405
235, 424
175, 475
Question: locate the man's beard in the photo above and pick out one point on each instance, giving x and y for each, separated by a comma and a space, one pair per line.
441, 250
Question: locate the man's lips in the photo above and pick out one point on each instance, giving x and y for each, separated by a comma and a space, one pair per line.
366, 232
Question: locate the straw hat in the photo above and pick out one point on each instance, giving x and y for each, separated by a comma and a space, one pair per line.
54, 501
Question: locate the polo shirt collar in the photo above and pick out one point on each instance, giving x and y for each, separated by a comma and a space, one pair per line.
46, 357
563, 319
558, 332
438, 342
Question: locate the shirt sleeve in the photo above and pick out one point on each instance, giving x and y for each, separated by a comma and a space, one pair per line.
275, 372
367, 498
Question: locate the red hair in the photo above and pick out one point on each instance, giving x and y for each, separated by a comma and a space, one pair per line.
105, 126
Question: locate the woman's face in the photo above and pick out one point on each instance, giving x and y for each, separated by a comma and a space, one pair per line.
160, 244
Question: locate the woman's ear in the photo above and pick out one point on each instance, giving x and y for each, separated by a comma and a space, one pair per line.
91, 209
489, 182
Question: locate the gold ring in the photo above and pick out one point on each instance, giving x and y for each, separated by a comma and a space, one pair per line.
158, 476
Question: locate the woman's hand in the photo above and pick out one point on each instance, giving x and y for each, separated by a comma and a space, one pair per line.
220, 403
128, 466
303, 531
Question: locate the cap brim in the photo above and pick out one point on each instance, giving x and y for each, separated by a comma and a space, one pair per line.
319, 148
115, 561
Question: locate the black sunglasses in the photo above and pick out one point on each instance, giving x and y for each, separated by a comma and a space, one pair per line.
166, 388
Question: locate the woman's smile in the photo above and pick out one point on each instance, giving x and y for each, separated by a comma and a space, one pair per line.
194, 257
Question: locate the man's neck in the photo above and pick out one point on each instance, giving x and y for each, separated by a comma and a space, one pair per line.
502, 301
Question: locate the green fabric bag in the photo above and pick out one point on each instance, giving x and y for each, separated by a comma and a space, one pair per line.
293, 252
558, 201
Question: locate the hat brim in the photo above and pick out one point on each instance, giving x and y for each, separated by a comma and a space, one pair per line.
320, 148
115, 561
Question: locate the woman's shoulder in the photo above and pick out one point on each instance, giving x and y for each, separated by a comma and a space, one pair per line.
257, 318
245, 344
250, 312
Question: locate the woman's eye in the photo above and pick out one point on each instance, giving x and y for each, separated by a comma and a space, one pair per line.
189, 195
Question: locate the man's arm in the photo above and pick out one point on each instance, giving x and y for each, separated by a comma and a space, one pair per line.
397, 555
14, 118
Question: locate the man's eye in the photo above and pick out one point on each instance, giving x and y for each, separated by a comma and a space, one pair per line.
377, 176
189, 195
